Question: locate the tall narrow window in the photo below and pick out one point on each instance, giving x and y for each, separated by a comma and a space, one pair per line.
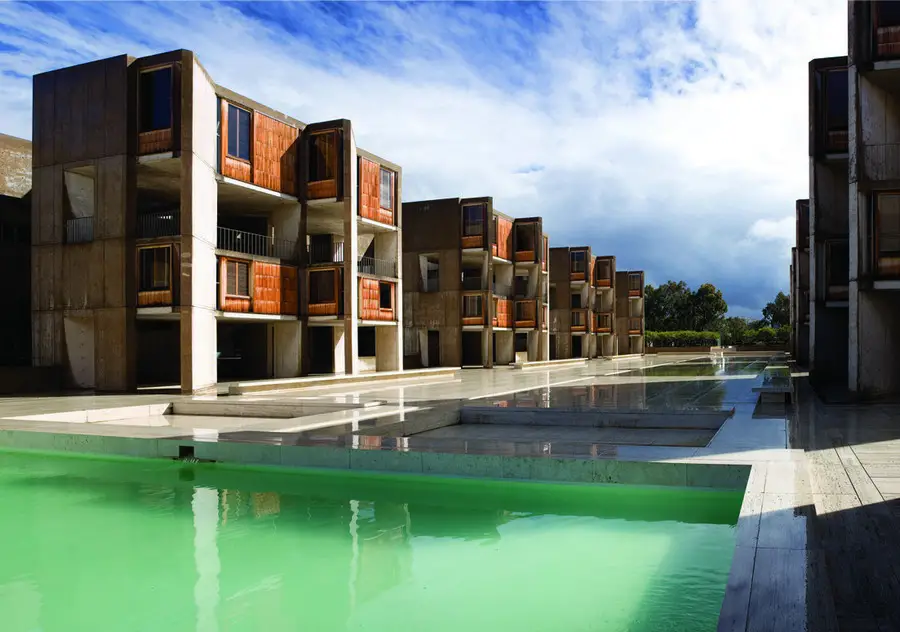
577, 260
836, 99
155, 269
387, 190
322, 156
385, 296
887, 234
888, 13
237, 281
155, 105
525, 237
575, 302
472, 305
238, 132
473, 219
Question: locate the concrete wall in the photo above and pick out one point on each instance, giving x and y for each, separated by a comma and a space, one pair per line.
386, 347
82, 116
286, 362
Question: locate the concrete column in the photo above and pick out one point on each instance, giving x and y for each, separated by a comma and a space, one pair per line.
340, 349
199, 210
386, 356
351, 257
287, 348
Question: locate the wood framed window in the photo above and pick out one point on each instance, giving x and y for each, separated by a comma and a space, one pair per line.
886, 19
322, 156
837, 269
155, 269
577, 259
473, 220
239, 126
237, 278
575, 301
386, 296
155, 99
887, 234
386, 190
321, 286
473, 306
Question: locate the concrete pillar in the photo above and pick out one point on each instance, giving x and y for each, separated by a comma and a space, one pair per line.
199, 210
340, 349
351, 258
387, 358
286, 362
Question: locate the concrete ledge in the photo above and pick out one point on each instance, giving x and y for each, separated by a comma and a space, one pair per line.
593, 418
294, 383
654, 350
549, 364
626, 356
99, 414
268, 409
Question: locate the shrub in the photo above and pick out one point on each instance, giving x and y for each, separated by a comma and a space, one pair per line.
681, 338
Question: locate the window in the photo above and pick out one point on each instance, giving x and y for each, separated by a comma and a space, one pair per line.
237, 278
322, 156
321, 286
888, 13
155, 99
521, 343
836, 95
79, 204
634, 282
155, 268
524, 237
385, 296
472, 305
387, 190
366, 340
238, 132
473, 219
521, 286
577, 260
887, 225
432, 275
575, 301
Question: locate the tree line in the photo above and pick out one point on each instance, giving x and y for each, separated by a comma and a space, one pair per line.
674, 306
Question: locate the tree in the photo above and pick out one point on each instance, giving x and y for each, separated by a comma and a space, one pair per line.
778, 313
673, 306
733, 330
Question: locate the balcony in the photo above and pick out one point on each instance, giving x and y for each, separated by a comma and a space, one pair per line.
79, 230
604, 323
526, 313
325, 254
635, 326
253, 244
579, 320
162, 224
257, 287
504, 290
503, 308
377, 267
525, 242
635, 284
472, 283
325, 291
377, 300
603, 276
472, 308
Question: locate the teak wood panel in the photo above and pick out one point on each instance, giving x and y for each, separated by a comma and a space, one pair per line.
370, 300
155, 142
274, 158
503, 246
888, 41
526, 313
473, 241
274, 288
370, 193
322, 190
503, 312
525, 255
231, 167
156, 298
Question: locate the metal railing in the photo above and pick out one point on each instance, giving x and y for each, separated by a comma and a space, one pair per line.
377, 267
472, 283
79, 230
325, 253
255, 244
503, 289
161, 224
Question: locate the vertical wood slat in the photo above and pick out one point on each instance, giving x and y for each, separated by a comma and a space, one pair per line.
370, 193
274, 154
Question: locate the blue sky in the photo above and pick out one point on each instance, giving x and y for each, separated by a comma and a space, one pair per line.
672, 135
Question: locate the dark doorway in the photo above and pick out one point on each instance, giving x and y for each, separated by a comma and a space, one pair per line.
242, 351
471, 348
158, 352
321, 350
434, 348
553, 353
576, 346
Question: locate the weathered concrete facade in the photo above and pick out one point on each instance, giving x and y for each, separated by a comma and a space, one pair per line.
572, 303
629, 289
202, 216
874, 199
800, 274
604, 308
476, 285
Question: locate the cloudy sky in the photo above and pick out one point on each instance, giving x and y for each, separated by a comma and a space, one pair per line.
672, 135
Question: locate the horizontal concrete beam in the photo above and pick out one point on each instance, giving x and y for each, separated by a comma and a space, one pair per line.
290, 384
549, 364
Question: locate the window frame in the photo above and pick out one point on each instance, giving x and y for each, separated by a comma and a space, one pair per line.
390, 288
328, 273
381, 173
237, 263
237, 140
361, 341
478, 299
168, 257
466, 223
140, 100
876, 226
331, 162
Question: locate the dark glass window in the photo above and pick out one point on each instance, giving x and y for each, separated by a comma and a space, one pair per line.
838, 263
577, 259
836, 96
473, 219
521, 343
387, 190
156, 99
237, 278
385, 296
525, 237
321, 286
322, 156
155, 266
887, 221
888, 13
366, 340
576, 301
238, 133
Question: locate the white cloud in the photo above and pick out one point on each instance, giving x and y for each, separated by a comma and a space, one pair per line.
693, 179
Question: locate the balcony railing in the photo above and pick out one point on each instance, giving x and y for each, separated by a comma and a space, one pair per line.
162, 224
378, 267
635, 325
503, 289
254, 244
472, 283
79, 230
325, 253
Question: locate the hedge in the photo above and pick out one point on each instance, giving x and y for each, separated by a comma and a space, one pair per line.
681, 339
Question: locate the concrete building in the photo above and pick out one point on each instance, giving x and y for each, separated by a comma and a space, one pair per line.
800, 286
572, 294
183, 233
606, 342
15, 247
874, 198
477, 286
629, 290
828, 226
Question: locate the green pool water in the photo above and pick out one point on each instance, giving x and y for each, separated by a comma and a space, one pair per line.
129, 545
